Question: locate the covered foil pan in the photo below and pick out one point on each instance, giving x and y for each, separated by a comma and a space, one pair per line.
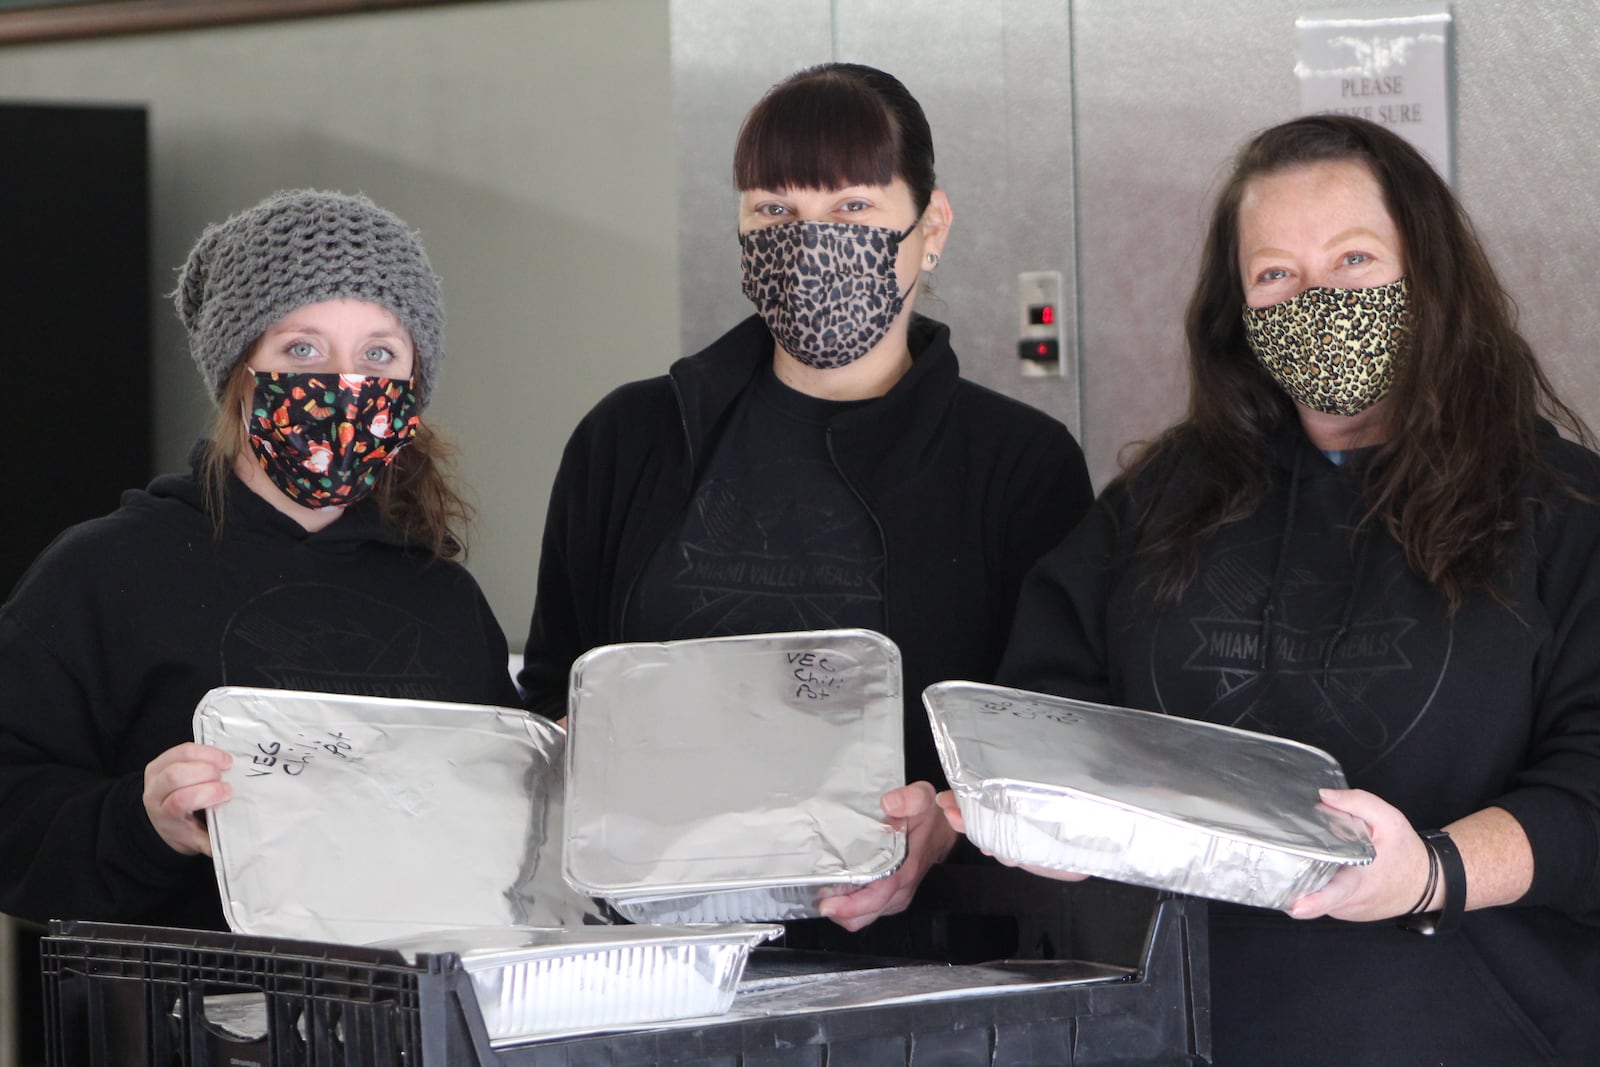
355, 819
733, 778
535, 984
1138, 797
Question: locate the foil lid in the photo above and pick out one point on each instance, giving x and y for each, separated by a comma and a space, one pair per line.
1138, 797
733, 778
356, 819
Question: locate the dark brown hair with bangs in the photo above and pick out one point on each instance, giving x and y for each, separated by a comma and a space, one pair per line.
1449, 484
835, 125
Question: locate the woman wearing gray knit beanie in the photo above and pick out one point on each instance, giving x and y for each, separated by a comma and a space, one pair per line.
328, 285
312, 547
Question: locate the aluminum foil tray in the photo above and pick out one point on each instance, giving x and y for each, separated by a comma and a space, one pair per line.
733, 778
356, 819
538, 984
1138, 797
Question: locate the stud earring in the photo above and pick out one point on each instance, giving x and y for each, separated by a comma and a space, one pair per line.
933, 260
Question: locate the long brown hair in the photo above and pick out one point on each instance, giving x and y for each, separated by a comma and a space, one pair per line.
416, 494
1465, 402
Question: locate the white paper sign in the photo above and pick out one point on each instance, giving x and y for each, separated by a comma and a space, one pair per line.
1389, 63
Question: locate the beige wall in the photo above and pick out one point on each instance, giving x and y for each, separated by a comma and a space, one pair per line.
528, 140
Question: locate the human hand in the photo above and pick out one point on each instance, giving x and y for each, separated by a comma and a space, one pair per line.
180, 783
952, 814
1390, 884
952, 811
929, 840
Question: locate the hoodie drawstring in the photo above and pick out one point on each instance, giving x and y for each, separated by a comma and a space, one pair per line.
1270, 608
1365, 537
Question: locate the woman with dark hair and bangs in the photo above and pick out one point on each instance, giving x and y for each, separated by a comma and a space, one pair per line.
822, 464
1367, 535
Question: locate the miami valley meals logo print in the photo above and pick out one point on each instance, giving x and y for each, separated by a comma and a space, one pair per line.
1345, 674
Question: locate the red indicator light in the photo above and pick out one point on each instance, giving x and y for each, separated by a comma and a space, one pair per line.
1049, 315
1046, 351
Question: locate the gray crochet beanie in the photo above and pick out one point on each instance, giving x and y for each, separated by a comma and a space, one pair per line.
297, 248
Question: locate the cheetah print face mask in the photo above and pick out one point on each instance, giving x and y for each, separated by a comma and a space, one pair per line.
827, 290
1333, 350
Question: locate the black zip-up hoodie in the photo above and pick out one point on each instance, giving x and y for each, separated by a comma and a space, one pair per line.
968, 488
1305, 624
122, 625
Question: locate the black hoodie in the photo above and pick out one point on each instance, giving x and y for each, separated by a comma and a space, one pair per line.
1302, 625
115, 633
967, 487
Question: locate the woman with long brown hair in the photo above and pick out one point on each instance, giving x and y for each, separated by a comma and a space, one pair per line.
311, 548
1368, 535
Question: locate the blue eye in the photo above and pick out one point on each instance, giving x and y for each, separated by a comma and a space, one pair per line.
378, 354
1272, 274
1356, 259
302, 350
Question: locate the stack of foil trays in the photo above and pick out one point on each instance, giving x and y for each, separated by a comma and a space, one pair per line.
733, 779
360, 820
1138, 797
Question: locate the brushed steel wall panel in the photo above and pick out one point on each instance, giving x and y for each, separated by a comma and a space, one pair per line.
1528, 151
725, 54
1165, 93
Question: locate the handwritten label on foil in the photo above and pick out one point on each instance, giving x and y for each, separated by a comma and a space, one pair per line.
293, 757
1028, 711
815, 675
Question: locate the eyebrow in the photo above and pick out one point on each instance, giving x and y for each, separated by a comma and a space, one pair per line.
384, 334
1345, 235
1338, 238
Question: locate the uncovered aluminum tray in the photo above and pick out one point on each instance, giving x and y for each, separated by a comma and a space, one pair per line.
1138, 797
540, 984
356, 819
733, 778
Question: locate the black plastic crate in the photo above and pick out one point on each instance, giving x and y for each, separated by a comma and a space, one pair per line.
130, 996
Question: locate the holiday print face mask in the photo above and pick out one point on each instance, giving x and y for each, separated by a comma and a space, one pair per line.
1333, 350
827, 290
323, 439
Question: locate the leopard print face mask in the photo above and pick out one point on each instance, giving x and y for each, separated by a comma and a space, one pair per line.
827, 290
1333, 350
